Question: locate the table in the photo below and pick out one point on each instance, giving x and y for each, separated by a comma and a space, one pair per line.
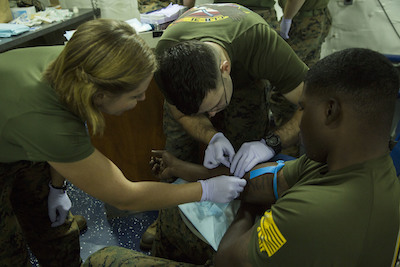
47, 34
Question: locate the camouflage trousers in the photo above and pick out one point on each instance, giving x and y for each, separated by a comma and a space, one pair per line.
175, 241
24, 219
145, 6
245, 119
119, 256
269, 15
307, 33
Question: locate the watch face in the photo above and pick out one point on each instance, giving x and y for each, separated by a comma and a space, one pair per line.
272, 141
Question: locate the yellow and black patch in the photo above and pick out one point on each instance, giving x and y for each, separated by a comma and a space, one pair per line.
270, 239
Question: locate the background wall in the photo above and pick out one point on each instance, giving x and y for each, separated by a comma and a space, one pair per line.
373, 24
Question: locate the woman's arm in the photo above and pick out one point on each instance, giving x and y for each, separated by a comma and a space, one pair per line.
102, 179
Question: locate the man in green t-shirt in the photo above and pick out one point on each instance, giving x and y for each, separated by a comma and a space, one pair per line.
214, 63
339, 203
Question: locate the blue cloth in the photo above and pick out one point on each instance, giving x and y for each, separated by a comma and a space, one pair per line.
8, 29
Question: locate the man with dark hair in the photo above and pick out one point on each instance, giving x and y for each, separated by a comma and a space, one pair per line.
340, 203
215, 61
216, 58
337, 205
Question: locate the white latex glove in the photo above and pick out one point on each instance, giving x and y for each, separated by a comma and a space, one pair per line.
222, 189
249, 155
285, 27
218, 151
58, 204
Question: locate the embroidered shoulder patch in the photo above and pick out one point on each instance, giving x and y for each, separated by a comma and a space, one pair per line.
270, 238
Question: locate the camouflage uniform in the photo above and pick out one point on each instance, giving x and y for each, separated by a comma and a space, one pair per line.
269, 15
307, 33
248, 109
175, 241
118, 256
145, 6
24, 219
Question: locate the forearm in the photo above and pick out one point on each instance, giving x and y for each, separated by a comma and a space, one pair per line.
102, 179
232, 250
199, 127
142, 196
289, 132
291, 8
57, 180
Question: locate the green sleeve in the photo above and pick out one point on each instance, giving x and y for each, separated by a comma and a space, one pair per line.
267, 56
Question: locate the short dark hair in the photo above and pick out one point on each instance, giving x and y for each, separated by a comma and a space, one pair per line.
364, 77
187, 72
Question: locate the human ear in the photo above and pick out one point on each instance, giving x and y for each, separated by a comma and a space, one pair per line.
333, 112
225, 66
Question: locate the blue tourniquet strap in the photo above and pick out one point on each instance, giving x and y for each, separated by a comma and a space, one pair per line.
270, 169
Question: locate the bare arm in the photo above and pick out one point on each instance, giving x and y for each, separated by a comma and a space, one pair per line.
198, 126
233, 248
56, 179
102, 179
257, 191
257, 197
291, 8
289, 132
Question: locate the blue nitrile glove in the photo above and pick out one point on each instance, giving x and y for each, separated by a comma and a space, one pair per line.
58, 204
218, 151
222, 189
249, 155
285, 27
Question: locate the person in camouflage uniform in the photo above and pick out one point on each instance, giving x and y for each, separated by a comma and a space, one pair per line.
244, 116
309, 27
309, 24
264, 8
118, 256
27, 221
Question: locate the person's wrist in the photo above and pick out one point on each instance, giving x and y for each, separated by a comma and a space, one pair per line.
59, 187
273, 141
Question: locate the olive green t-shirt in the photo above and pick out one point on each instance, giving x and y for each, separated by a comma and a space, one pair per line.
308, 4
255, 50
34, 125
348, 217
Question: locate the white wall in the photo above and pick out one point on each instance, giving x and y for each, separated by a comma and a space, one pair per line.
113, 9
364, 24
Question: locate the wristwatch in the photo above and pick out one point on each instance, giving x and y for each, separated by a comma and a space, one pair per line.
274, 141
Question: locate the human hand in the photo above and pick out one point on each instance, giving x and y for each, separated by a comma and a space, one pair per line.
285, 27
161, 164
218, 151
249, 155
222, 189
58, 204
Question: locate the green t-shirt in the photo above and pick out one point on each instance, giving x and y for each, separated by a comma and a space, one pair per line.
348, 217
252, 4
308, 4
255, 50
34, 125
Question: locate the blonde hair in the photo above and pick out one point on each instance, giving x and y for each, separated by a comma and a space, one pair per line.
105, 56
